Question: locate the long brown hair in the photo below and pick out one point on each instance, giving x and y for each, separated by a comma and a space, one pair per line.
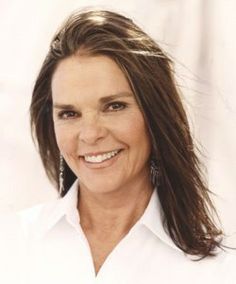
182, 192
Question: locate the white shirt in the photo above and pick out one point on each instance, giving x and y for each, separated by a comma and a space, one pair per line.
51, 247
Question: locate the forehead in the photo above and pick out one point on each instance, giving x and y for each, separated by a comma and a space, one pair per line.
87, 75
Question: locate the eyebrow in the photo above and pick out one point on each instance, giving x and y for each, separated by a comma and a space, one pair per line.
101, 100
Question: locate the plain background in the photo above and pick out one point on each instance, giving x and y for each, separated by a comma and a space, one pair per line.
198, 34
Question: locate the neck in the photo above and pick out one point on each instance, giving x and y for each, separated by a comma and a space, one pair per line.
115, 211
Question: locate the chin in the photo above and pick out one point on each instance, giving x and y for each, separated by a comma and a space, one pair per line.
98, 185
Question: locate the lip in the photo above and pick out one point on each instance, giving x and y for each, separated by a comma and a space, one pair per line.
102, 165
99, 153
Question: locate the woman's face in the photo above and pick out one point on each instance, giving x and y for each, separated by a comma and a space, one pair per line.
99, 127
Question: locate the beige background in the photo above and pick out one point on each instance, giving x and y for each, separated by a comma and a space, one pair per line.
198, 34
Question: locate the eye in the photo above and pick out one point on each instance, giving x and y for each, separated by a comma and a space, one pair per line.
68, 114
116, 106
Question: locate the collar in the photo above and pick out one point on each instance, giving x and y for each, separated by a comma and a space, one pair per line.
152, 219
46, 216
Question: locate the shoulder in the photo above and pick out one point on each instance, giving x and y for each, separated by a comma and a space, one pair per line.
13, 224
228, 267
27, 217
224, 264
13, 246
16, 225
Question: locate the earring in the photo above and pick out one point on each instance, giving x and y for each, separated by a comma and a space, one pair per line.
154, 173
61, 176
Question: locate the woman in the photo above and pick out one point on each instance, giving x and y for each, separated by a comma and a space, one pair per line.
114, 138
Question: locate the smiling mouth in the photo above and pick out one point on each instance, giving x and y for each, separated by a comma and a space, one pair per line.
96, 159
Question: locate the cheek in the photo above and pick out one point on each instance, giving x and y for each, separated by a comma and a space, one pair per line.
138, 131
140, 138
134, 132
66, 139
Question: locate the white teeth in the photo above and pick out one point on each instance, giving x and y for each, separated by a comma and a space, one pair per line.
100, 158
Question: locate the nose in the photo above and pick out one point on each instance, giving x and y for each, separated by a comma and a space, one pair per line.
91, 129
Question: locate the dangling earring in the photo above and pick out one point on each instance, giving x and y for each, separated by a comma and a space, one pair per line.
61, 176
154, 173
